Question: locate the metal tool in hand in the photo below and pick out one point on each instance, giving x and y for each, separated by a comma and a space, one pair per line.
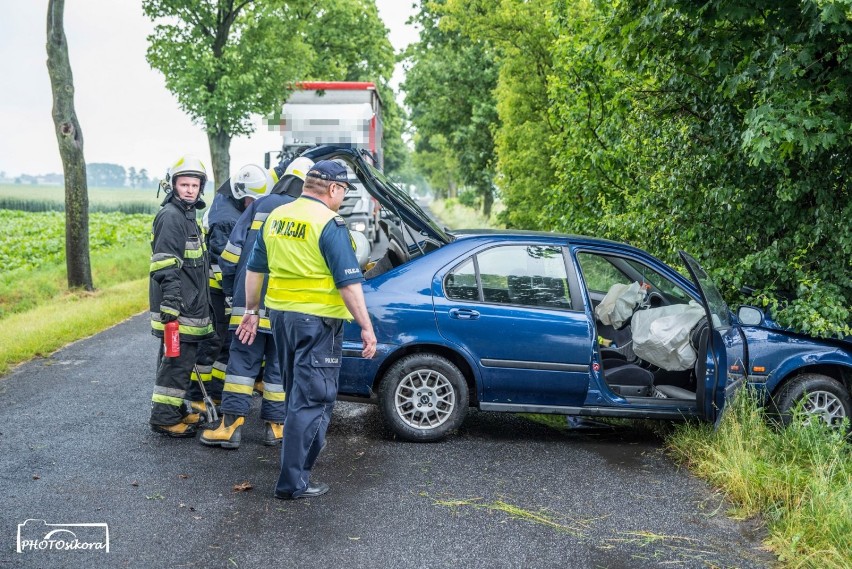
209, 408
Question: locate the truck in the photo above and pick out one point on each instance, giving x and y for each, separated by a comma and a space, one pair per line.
346, 114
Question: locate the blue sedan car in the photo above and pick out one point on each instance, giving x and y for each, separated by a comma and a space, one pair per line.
510, 321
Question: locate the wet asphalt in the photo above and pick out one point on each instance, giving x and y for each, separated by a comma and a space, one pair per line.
75, 447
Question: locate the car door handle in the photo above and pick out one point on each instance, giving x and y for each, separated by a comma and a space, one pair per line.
463, 314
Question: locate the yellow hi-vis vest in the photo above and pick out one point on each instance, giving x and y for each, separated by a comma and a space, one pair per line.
299, 279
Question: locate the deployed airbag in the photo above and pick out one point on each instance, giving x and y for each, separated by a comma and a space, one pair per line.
661, 335
619, 303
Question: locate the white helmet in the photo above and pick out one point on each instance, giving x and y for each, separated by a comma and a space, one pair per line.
251, 181
188, 166
299, 167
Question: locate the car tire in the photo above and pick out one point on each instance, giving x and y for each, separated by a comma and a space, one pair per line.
428, 380
820, 396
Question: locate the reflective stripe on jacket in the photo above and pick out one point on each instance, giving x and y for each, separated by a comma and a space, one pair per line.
179, 270
233, 262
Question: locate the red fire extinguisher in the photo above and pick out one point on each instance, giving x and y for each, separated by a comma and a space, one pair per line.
171, 339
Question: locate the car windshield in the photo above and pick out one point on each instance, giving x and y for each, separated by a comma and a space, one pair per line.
718, 307
399, 196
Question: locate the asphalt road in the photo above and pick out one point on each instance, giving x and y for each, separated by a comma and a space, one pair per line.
503, 492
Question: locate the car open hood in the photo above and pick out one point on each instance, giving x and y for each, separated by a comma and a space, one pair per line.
386, 192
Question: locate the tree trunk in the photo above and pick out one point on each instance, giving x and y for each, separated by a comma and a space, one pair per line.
220, 154
70, 139
487, 202
452, 189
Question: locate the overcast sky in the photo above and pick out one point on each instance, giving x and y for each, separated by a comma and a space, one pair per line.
127, 115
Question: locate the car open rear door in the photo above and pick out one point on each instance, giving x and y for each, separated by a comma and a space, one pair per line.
712, 386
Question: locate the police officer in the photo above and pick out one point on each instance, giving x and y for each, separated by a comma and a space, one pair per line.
178, 290
231, 200
314, 285
246, 359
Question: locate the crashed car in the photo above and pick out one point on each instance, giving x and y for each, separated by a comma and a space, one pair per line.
511, 321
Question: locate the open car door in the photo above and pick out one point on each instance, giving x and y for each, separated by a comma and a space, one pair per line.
712, 386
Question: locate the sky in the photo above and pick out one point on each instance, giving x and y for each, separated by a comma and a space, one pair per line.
126, 114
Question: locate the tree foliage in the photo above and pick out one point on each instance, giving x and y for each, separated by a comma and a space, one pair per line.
520, 37
717, 127
226, 60
350, 42
449, 87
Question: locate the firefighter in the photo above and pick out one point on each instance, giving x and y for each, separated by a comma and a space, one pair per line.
178, 290
314, 284
246, 360
232, 199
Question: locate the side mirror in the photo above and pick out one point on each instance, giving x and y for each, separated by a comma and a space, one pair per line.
750, 316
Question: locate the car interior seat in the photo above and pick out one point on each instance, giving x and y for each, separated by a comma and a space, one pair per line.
627, 379
698, 339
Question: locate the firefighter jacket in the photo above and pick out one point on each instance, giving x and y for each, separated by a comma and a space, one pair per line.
233, 261
221, 219
178, 273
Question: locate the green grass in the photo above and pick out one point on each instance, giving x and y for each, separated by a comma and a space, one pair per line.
21, 291
67, 318
798, 479
38, 239
35, 301
457, 216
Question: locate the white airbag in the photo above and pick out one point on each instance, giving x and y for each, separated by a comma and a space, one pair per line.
661, 335
619, 303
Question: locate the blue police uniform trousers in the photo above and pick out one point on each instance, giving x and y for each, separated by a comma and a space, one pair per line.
310, 350
244, 366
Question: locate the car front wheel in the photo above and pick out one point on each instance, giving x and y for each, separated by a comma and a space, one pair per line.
423, 397
821, 398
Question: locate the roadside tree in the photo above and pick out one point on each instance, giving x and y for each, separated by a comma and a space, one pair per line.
449, 87
69, 136
228, 60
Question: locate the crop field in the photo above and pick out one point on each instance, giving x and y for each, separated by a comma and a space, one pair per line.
38, 239
35, 198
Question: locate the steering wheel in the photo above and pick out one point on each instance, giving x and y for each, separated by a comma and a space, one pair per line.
655, 299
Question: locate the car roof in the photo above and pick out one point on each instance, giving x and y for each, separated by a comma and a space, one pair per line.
516, 233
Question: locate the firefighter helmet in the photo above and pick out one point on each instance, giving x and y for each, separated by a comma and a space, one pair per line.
251, 181
188, 166
299, 167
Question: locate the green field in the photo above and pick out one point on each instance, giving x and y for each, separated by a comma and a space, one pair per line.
34, 296
24, 197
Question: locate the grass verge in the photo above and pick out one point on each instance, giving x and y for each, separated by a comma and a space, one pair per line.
70, 317
798, 479
21, 291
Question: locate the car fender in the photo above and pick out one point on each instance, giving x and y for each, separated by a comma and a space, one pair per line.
440, 347
791, 366
783, 355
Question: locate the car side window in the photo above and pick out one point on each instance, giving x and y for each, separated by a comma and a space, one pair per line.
527, 275
602, 271
460, 284
599, 273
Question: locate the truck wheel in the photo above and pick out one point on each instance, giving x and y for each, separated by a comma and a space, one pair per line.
423, 397
820, 397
